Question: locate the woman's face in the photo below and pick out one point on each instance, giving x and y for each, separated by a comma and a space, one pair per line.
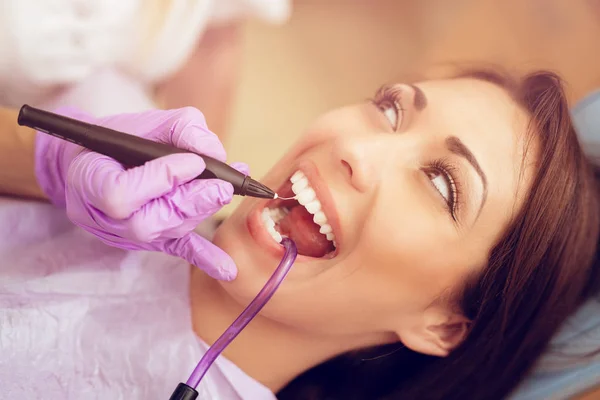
415, 187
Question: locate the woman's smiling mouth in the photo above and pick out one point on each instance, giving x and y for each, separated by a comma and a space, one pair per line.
310, 221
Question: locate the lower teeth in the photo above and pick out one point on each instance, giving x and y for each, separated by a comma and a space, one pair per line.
271, 216
268, 220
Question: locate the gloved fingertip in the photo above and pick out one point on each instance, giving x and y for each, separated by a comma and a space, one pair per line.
213, 192
204, 255
227, 268
228, 275
223, 267
189, 159
201, 140
226, 193
221, 270
183, 166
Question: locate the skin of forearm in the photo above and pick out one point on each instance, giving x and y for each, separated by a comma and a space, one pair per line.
17, 173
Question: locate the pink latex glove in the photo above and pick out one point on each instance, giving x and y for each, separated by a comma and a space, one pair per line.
153, 207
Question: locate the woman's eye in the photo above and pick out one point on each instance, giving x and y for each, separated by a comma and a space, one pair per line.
388, 100
392, 113
440, 182
445, 185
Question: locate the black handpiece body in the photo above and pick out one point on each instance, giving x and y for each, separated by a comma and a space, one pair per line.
132, 150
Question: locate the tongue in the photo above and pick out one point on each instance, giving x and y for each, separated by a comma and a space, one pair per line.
298, 225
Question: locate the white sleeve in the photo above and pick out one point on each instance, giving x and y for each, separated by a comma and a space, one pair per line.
271, 11
45, 45
186, 21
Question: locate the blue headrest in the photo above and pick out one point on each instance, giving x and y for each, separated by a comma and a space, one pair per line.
567, 367
565, 370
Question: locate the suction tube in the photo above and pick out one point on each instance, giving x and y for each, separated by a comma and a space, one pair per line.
188, 391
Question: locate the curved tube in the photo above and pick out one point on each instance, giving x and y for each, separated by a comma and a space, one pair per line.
291, 252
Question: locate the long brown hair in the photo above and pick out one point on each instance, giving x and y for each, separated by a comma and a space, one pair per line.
542, 269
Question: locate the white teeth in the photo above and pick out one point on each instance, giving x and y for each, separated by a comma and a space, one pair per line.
296, 177
277, 214
306, 196
320, 218
300, 185
313, 207
325, 229
270, 224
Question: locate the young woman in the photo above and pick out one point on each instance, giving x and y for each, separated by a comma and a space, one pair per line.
446, 230
465, 219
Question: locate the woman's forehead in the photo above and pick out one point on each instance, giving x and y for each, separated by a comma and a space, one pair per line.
477, 108
469, 88
493, 125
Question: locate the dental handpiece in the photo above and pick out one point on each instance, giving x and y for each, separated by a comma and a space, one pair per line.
133, 151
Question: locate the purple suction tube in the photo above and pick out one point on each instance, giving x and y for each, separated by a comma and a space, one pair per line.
265, 294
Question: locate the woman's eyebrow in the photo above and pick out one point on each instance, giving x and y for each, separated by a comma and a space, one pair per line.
419, 100
456, 146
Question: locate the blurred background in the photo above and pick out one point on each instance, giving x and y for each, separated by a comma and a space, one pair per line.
262, 70
332, 53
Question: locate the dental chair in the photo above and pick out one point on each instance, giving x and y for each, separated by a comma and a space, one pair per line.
571, 366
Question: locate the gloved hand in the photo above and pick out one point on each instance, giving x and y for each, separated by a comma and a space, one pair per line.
153, 207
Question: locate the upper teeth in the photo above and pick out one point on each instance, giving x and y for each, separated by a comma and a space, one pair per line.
307, 197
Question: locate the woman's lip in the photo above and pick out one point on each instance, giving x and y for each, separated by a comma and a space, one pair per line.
259, 232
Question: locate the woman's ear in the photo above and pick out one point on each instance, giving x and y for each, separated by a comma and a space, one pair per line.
437, 333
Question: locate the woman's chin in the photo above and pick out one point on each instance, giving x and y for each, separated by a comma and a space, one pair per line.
219, 234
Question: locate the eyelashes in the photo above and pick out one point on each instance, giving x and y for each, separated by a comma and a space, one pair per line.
441, 173
389, 101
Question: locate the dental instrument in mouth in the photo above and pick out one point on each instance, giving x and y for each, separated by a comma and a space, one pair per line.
187, 391
284, 198
301, 216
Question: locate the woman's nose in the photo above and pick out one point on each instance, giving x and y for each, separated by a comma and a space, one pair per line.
357, 159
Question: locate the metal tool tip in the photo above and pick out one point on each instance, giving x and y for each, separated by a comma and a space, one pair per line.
257, 189
284, 198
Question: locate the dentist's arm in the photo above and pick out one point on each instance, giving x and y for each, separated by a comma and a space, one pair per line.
17, 176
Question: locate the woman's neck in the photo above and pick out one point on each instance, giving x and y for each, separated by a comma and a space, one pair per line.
267, 351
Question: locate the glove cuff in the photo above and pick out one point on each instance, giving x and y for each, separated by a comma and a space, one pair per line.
52, 159
49, 169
